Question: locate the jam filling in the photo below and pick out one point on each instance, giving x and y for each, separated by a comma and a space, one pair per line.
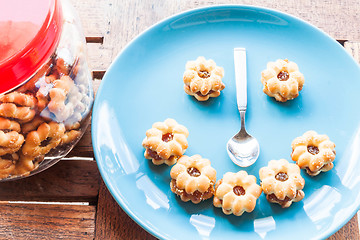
308, 169
313, 150
194, 172
167, 137
283, 76
195, 197
153, 154
201, 95
281, 176
204, 74
272, 197
238, 190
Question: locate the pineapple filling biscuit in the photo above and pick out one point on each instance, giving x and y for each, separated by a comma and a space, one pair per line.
193, 179
282, 183
165, 142
282, 80
236, 193
313, 152
203, 79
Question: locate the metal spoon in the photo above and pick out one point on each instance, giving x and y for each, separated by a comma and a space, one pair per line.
243, 149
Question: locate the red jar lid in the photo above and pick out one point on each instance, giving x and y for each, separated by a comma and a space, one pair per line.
29, 34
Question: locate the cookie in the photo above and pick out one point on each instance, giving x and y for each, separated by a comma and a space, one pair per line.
236, 193
203, 79
70, 136
282, 80
313, 152
41, 141
12, 111
58, 94
8, 165
165, 142
193, 179
282, 183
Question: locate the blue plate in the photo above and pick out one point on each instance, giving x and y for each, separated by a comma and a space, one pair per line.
144, 85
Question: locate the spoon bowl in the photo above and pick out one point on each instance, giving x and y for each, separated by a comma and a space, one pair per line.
243, 149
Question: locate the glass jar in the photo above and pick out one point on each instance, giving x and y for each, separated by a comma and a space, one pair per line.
46, 90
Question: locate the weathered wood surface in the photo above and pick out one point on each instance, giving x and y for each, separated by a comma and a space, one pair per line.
67, 181
349, 231
113, 223
46, 221
119, 21
109, 25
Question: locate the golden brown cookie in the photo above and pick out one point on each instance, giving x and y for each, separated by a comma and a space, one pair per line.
10, 142
203, 79
193, 178
62, 67
7, 124
165, 142
59, 93
313, 152
42, 95
11, 139
72, 126
282, 183
70, 136
282, 80
46, 137
32, 125
21, 99
11, 110
236, 193
7, 165
26, 164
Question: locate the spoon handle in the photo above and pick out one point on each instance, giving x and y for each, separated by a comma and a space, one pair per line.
241, 78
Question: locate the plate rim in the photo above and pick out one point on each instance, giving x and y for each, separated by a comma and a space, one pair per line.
175, 16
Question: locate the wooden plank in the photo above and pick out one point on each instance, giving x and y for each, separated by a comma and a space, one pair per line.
349, 231
70, 180
112, 222
354, 49
43, 221
120, 21
93, 39
99, 58
92, 15
95, 24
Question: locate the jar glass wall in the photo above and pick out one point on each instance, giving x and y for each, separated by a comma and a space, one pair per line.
43, 118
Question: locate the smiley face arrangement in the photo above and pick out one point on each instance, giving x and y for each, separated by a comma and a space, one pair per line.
203, 79
282, 80
193, 178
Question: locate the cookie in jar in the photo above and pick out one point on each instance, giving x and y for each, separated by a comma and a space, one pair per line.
46, 99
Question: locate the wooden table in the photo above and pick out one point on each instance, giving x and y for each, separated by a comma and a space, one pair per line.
69, 200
